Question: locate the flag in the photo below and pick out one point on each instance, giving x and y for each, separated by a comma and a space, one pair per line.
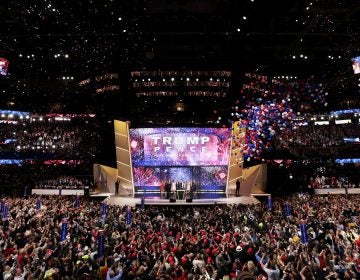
64, 229
103, 209
77, 201
142, 203
269, 202
287, 210
303, 230
101, 244
5, 211
38, 204
128, 216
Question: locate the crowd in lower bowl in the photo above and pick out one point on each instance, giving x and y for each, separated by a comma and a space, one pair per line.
180, 243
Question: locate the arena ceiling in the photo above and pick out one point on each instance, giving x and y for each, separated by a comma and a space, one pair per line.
48, 40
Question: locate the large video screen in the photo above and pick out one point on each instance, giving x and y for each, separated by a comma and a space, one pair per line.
356, 64
179, 146
213, 176
147, 176
203, 177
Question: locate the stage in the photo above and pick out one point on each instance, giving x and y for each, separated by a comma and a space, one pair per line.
131, 201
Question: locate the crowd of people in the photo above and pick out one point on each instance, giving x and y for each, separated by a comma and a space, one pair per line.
320, 141
323, 182
64, 182
48, 139
17, 180
318, 135
205, 242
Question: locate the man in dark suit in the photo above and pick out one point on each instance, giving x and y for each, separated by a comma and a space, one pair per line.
117, 185
237, 192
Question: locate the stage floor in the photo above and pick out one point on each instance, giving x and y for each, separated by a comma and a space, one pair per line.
130, 201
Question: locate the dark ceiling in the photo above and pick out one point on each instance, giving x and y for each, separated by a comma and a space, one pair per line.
51, 39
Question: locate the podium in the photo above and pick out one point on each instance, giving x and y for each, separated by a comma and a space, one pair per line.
180, 194
172, 197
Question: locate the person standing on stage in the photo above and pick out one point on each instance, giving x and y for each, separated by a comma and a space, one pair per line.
237, 192
167, 189
117, 185
162, 189
188, 193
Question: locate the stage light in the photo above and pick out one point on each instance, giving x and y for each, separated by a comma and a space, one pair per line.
20, 55
66, 55
293, 56
120, 18
197, 79
244, 18
172, 79
187, 79
238, 30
